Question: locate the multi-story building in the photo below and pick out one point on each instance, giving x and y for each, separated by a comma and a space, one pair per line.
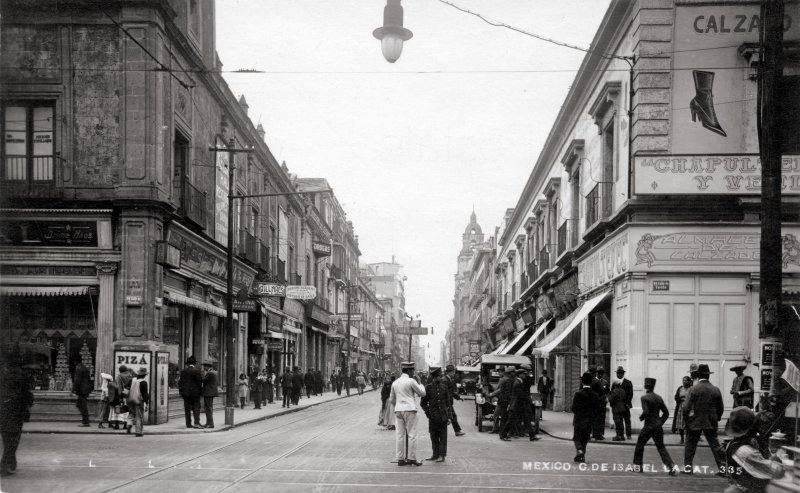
387, 280
635, 241
464, 327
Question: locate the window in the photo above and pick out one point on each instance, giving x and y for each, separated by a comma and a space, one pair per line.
194, 18
28, 141
603, 111
575, 200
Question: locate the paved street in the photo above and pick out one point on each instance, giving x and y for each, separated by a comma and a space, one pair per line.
335, 446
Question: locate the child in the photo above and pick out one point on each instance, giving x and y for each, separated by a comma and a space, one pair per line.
616, 399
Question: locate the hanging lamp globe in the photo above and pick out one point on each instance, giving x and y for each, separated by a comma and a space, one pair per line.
392, 34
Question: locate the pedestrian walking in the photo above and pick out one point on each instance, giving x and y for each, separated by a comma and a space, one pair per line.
450, 381
269, 383
119, 413
243, 386
519, 408
15, 405
138, 400
263, 381
654, 415
386, 417
749, 468
600, 387
627, 386
545, 386
210, 390
190, 387
286, 387
619, 407
308, 380
585, 404
702, 412
437, 404
403, 400
361, 383
503, 394
742, 387
103, 413
678, 422
255, 389
319, 383
82, 387
297, 385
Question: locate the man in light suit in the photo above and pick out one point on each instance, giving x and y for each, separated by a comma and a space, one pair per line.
403, 400
702, 411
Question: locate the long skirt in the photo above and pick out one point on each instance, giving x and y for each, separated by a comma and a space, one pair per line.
387, 416
115, 417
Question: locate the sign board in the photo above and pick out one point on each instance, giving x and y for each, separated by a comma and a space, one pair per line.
49, 233
244, 306
766, 379
160, 411
660, 285
274, 346
136, 360
321, 249
168, 255
271, 289
412, 323
221, 190
301, 292
354, 317
413, 331
258, 342
474, 348
133, 300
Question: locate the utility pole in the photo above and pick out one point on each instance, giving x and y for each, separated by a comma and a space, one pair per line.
349, 342
770, 74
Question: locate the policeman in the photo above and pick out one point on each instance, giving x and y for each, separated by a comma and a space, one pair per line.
450, 381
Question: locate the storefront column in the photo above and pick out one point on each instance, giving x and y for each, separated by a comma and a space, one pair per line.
104, 359
637, 352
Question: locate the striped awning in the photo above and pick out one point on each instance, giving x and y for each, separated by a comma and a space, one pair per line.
44, 290
181, 299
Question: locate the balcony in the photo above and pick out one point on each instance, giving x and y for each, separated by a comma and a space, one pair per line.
248, 246
544, 260
31, 177
263, 256
562, 239
532, 270
524, 282
598, 204
193, 206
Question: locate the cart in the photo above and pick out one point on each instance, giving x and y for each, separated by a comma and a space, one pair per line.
489, 379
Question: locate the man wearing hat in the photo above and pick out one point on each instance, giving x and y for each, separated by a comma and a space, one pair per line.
138, 398
403, 400
190, 387
503, 394
702, 412
746, 466
585, 404
450, 381
437, 404
519, 406
601, 388
627, 386
210, 390
545, 386
742, 388
654, 415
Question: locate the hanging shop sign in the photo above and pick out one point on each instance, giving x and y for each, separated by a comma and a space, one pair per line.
244, 306
271, 289
49, 233
274, 346
301, 292
321, 249
205, 259
168, 255
354, 317
221, 190
474, 348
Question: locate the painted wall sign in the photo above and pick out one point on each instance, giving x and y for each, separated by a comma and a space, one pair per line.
301, 292
49, 233
766, 379
607, 262
135, 360
201, 258
244, 306
697, 174
161, 390
321, 249
221, 190
168, 255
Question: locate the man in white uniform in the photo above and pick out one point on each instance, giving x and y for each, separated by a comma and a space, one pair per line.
404, 401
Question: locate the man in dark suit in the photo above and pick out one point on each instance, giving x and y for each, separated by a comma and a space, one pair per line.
654, 415
210, 384
702, 411
585, 405
297, 385
519, 407
286, 387
627, 386
82, 387
450, 381
308, 380
190, 386
601, 388
503, 394
545, 386
437, 404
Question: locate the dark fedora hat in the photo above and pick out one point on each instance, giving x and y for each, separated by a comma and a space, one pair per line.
739, 366
649, 383
586, 378
702, 369
191, 360
740, 421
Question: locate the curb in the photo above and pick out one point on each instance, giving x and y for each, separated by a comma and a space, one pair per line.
96, 431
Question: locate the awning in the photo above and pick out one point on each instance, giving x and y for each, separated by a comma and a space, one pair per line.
181, 299
275, 335
499, 347
532, 339
292, 329
513, 344
44, 290
570, 323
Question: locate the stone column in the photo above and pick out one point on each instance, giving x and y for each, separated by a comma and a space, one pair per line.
104, 358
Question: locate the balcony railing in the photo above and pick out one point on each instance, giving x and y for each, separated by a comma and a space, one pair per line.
263, 256
248, 246
193, 207
598, 204
523, 281
533, 272
544, 260
562, 238
31, 176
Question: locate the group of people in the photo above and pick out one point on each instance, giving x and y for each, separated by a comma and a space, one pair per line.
513, 415
194, 385
745, 460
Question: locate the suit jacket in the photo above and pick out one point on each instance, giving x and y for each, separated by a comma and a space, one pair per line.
308, 379
452, 388
627, 386
81, 383
297, 380
503, 391
585, 405
190, 383
286, 380
654, 411
437, 402
703, 407
404, 390
544, 385
210, 384
520, 396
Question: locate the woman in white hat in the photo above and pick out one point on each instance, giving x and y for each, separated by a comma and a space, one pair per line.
104, 406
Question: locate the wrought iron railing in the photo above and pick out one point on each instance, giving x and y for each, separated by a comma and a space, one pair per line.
263, 256
544, 260
248, 246
563, 238
194, 204
598, 204
31, 176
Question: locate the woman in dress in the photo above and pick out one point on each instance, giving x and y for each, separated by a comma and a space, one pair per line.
387, 413
103, 414
243, 384
678, 424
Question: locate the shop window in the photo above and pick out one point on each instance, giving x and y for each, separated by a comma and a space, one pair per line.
28, 149
172, 337
599, 350
55, 334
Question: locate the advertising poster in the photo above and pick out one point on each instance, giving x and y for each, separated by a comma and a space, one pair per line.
135, 360
160, 406
221, 195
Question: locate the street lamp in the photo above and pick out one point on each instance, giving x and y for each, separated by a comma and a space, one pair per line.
392, 34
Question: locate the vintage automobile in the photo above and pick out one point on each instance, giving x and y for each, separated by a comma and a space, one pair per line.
490, 374
467, 379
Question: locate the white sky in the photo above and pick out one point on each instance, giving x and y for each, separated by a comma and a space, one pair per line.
409, 148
